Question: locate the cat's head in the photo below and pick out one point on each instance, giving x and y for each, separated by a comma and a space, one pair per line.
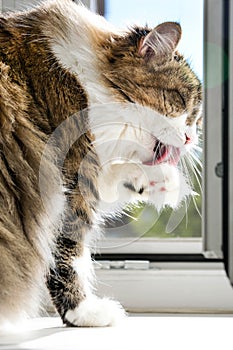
145, 67
155, 122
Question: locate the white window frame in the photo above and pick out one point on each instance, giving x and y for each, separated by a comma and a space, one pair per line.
150, 246
213, 97
210, 244
186, 286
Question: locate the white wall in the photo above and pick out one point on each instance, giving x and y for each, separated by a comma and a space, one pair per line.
11, 5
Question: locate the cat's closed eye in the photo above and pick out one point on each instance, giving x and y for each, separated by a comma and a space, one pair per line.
177, 58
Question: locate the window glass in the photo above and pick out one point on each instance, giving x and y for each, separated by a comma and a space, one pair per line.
144, 221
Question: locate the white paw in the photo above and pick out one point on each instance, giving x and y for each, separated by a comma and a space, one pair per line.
96, 312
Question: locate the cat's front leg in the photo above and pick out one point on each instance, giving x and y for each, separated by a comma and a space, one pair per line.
71, 279
70, 283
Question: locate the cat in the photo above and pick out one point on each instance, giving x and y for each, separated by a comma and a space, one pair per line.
91, 118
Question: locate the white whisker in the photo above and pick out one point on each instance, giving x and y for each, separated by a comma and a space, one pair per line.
197, 160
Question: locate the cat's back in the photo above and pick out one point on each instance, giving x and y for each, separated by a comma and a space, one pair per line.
12, 99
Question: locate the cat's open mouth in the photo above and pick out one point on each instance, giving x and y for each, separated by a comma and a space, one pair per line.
164, 154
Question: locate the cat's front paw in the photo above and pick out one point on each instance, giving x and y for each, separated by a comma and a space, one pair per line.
160, 185
95, 312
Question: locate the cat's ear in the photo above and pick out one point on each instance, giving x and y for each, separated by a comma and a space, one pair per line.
161, 41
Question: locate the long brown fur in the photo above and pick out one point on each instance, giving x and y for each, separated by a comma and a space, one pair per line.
28, 115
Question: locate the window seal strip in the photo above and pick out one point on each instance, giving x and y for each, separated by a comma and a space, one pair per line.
157, 257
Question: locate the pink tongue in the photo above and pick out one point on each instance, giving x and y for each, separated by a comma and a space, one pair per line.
171, 153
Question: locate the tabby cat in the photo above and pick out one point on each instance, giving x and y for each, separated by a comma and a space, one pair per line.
91, 118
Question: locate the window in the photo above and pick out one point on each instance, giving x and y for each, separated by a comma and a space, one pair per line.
144, 230
182, 273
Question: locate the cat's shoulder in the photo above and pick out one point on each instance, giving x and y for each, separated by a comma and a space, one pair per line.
12, 98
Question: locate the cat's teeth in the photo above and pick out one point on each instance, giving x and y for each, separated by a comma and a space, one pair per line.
162, 154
